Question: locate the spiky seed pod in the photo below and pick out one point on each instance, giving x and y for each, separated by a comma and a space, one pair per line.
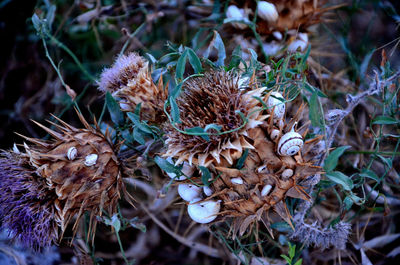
43, 189
215, 99
130, 81
266, 179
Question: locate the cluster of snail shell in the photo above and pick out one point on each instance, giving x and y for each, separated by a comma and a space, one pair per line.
203, 210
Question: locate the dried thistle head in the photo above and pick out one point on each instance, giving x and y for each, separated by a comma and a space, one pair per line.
129, 80
53, 183
272, 169
214, 98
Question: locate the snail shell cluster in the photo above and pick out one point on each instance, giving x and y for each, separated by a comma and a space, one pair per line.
291, 142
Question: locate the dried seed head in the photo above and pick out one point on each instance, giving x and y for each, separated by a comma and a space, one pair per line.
213, 99
129, 80
43, 191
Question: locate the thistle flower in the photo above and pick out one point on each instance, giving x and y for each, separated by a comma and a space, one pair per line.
213, 99
49, 185
277, 159
129, 80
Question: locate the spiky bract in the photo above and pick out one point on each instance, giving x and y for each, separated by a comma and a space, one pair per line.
215, 99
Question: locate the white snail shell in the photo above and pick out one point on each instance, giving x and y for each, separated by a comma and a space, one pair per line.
287, 173
290, 143
262, 169
203, 212
234, 12
207, 191
266, 190
278, 106
267, 11
90, 160
237, 181
72, 153
274, 134
189, 192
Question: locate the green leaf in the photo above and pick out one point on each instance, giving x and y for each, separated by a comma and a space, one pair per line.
166, 166
236, 57
366, 173
174, 110
348, 202
241, 160
332, 160
36, 22
117, 116
384, 120
138, 136
194, 61
213, 126
341, 179
315, 111
199, 132
135, 223
127, 135
288, 260
140, 125
180, 66
218, 44
114, 222
205, 176
299, 262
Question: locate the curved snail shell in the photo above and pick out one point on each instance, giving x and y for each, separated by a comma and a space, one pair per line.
273, 103
189, 192
72, 153
290, 143
203, 212
274, 134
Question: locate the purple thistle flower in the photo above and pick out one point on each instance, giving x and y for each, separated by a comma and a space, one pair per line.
25, 204
124, 69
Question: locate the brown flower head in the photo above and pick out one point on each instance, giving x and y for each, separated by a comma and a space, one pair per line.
55, 182
214, 98
270, 172
129, 80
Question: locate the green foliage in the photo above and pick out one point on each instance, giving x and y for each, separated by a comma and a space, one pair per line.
291, 258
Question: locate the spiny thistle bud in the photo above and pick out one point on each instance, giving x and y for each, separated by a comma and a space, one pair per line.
52, 183
130, 81
214, 99
276, 159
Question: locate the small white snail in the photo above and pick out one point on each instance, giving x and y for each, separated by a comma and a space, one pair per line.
267, 11
266, 190
203, 212
287, 173
274, 134
90, 160
276, 103
237, 181
207, 191
72, 153
189, 192
290, 143
236, 13
262, 169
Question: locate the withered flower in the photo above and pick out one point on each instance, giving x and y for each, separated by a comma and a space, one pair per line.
130, 81
214, 98
53, 183
276, 162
